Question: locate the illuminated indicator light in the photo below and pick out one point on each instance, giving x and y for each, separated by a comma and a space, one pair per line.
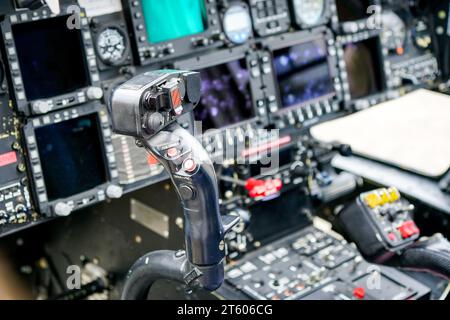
359, 293
400, 51
151, 160
176, 98
176, 101
8, 158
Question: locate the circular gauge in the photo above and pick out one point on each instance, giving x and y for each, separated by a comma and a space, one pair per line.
394, 32
309, 11
421, 35
111, 46
237, 23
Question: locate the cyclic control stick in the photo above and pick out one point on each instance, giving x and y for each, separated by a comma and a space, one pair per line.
147, 107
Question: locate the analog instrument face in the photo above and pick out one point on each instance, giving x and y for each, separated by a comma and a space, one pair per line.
237, 23
309, 11
111, 46
394, 32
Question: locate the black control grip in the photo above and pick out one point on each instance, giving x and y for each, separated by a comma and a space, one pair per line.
193, 175
432, 254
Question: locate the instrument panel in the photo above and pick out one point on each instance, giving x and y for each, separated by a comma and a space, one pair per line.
281, 65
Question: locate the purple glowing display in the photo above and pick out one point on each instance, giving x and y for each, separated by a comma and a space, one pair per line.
226, 98
303, 73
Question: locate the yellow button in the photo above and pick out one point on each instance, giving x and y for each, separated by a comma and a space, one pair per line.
384, 197
372, 200
394, 195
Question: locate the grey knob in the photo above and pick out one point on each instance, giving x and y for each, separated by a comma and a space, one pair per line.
63, 209
94, 93
114, 192
41, 106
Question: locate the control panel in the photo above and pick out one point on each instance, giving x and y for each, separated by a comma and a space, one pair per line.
407, 39
312, 264
16, 208
270, 16
269, 69
385, 223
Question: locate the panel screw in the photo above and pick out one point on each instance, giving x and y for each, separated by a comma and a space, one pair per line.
21, 167
139, 143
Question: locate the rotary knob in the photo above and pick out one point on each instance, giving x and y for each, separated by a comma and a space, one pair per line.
41, 107
94, 93
63, 209
114, 191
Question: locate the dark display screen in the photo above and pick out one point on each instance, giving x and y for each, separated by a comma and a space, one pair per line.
172, 19
71, 157
271, 219
284, 157
303, 72
226, 97
364, 68
51, 57
352, 10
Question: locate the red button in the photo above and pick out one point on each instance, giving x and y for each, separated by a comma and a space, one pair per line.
172, 152
408, 229
189, 165
359, 293
251, 183
263, 188
392, 236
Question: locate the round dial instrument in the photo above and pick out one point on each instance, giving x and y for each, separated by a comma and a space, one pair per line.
309, 11
237, 23
111, 46
394, 32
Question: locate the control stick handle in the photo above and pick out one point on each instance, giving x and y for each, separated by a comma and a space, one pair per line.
193, 175
147, 107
